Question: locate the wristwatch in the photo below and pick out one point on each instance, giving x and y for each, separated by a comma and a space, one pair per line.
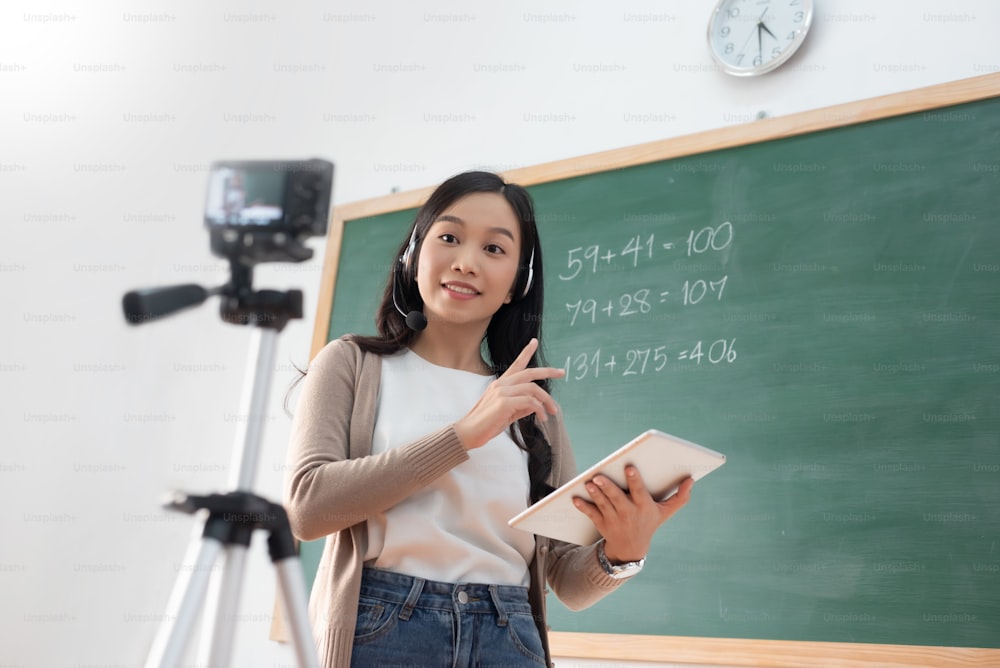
618, 571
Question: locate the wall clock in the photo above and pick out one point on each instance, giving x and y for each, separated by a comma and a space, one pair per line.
751, 37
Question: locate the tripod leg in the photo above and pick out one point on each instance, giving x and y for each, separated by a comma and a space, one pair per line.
293, 599
249, 433
183, 606
224, 602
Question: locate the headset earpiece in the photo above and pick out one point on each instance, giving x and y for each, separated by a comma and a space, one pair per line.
531, 274
407, 257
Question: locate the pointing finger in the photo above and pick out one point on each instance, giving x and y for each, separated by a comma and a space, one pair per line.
537, 373
520, 363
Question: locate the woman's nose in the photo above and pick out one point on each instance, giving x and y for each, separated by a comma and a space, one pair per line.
465, 261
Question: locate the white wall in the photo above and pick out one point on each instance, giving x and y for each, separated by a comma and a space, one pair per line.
111, 111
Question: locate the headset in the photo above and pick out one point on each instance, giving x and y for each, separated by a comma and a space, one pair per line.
406, 260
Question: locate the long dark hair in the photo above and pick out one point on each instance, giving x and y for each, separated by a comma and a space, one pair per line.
511, 327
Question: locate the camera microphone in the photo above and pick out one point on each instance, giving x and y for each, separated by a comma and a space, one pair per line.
415, 320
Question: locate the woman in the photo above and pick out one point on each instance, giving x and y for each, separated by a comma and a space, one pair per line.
411, 449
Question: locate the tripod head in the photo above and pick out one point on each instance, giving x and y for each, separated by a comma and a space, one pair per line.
256, 211
240, 305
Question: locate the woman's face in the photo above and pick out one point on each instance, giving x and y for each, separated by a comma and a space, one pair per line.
469, 259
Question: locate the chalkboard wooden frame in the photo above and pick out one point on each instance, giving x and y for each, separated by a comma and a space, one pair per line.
725, 651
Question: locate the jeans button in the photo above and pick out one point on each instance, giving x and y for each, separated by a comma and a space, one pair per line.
463, 597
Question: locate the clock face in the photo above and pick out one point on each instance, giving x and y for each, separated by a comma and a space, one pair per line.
750, 37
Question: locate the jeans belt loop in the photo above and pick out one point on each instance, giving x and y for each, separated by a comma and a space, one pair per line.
411, 600
501, 610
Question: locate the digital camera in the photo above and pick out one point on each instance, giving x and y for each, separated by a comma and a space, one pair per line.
262, 211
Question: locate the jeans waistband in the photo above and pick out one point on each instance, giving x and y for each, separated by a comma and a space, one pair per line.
411, 592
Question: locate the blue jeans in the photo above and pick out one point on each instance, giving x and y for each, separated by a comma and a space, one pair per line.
408, 622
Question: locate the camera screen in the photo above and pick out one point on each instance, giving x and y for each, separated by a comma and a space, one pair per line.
244, 195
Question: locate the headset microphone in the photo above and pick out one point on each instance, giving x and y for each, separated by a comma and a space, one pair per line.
415, 320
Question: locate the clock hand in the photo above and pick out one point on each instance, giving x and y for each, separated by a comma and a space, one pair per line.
749, 37
760, 34
765, 29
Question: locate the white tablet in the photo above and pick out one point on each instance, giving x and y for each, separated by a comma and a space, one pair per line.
663, 462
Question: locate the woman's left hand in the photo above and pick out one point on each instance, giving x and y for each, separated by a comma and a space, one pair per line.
628, 520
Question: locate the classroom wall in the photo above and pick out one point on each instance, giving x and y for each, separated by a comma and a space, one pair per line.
109, 115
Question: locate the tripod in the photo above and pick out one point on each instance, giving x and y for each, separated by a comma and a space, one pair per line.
232, 518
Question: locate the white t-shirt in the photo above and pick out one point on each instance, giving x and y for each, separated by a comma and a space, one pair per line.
455, 529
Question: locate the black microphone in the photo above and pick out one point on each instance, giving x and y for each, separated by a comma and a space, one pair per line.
143, 306
415, 320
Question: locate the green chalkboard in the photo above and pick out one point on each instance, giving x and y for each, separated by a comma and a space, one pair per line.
825, 310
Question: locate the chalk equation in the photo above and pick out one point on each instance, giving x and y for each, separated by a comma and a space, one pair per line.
638, 302
640, 246
645, 361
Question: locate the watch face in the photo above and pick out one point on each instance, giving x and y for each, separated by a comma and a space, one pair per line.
626, 570
750, 37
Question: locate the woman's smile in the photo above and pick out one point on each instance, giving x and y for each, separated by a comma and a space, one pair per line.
460, 290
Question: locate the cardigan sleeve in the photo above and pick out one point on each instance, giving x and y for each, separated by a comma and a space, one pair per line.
327, 491
572, 571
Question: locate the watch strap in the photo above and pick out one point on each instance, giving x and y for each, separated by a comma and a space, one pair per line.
618, 571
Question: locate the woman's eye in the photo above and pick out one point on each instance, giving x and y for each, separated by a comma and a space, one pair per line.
448, 238
493, 248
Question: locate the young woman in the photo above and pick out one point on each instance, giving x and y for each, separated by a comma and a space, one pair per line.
411, 449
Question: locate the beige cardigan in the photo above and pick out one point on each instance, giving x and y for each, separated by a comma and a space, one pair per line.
334, 484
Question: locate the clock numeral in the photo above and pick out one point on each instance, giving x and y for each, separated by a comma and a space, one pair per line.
725, 31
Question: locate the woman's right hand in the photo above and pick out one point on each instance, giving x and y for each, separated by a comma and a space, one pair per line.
509, 398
